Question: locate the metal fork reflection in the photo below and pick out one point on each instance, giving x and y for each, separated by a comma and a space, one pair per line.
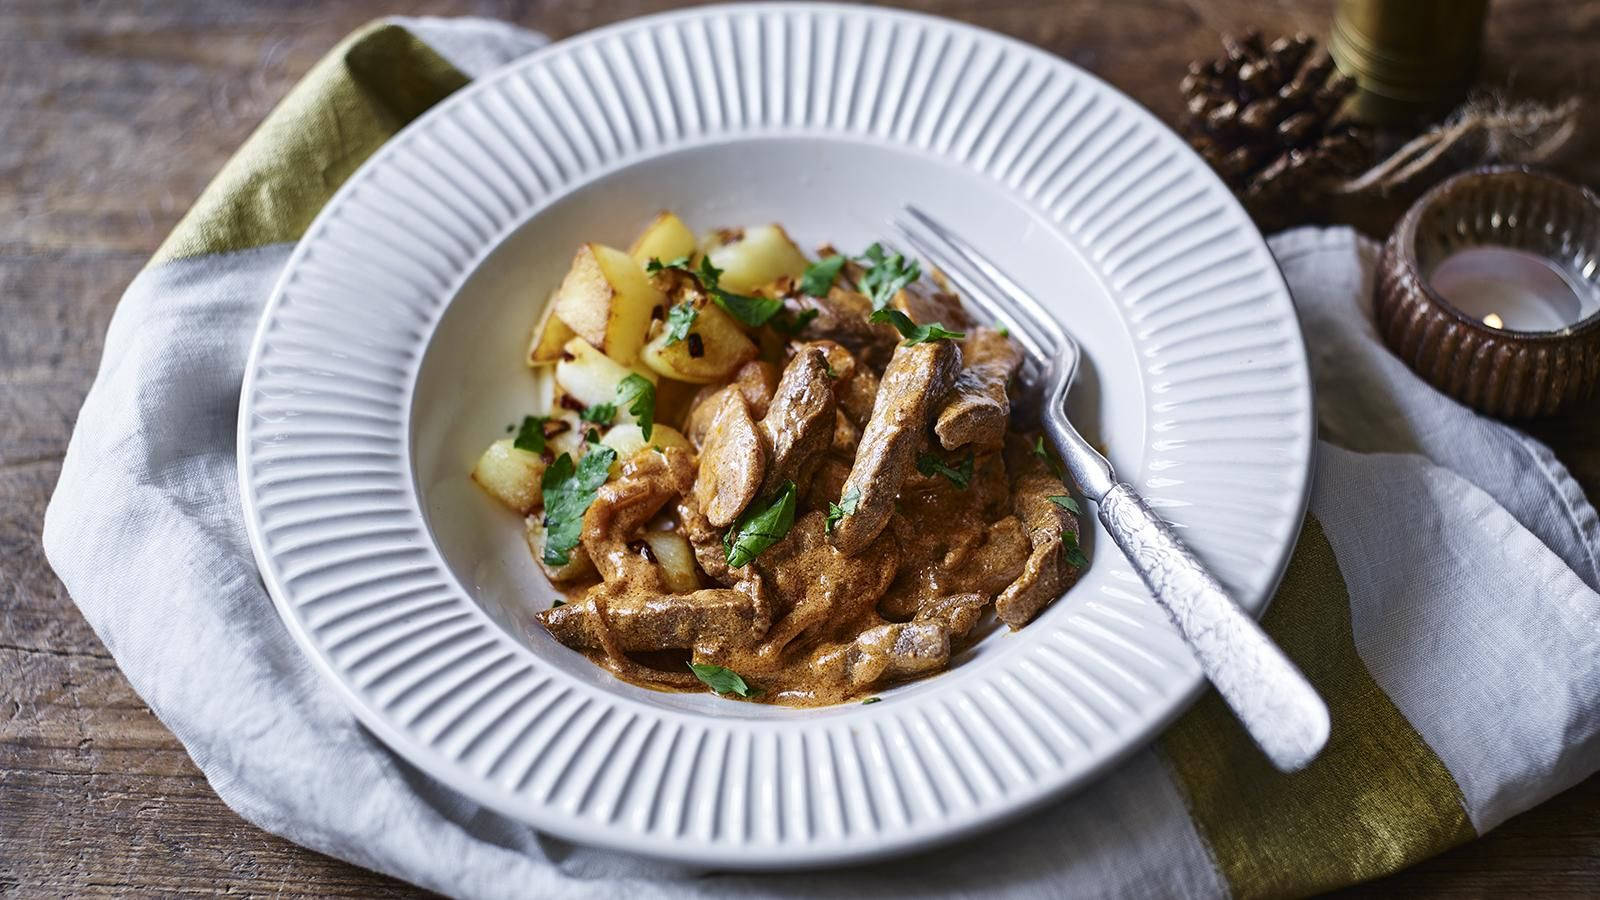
1269, 695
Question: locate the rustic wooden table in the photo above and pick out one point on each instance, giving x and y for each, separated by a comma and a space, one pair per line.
113, 117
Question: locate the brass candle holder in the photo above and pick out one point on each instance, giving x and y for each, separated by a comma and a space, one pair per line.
1489, 288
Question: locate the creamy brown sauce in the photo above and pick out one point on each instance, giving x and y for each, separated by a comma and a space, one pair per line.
806, 623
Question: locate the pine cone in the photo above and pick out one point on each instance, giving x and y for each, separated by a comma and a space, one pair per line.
1269, 120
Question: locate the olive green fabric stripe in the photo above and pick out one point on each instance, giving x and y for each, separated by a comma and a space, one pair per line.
1376, 800
354, 99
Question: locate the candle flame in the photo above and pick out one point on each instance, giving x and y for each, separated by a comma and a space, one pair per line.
1493, 321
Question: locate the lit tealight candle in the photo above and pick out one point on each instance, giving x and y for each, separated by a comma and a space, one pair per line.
1513, 289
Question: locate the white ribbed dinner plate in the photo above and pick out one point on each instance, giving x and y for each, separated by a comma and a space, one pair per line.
391, 351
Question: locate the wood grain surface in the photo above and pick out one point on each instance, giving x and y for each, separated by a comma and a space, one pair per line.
112, 119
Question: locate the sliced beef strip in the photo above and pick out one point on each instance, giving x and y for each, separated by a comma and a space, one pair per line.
977, 409
705, 540
957, 612
733, 459
641, 621
623, 505
1047, 574
915, 381
854, 384
886, 653
755, 381
927, 300
842, 318
816, 587
799, 423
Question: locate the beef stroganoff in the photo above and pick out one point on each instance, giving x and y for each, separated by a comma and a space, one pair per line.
783, 479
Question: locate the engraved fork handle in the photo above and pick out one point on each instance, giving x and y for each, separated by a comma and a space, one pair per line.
1270, 696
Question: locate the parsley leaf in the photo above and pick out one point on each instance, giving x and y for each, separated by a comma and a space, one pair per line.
679, 320
656, 265
641, 394
1050, 461
845, 507
890, 273
722, 680
1071, 551
759, 528
913, 333
960, 475
530, 436
787, 323
819, 275
568, 490
600, 413
1066, 503
556, 603
872, 700
752, 311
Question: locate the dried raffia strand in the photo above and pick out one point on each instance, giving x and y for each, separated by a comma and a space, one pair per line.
1491, 128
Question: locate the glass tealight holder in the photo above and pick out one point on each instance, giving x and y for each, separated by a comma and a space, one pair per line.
1489, 288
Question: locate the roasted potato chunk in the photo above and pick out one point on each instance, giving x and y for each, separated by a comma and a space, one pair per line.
607, 300
751, 258
589, 376
549, 336
665, 238
511, 475
715, 348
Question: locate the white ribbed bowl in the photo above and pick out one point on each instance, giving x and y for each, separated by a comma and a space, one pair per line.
389, 355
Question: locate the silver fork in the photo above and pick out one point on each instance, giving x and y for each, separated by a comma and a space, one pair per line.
1273, 700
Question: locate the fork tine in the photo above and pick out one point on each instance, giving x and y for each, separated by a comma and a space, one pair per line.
1035, 340
1008, 289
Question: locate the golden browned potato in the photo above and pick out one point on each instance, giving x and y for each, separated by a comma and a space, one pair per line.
666, 238
590, 377
579, 565
752, 257
715, 348
628, 439
676, 560
511, 475
607, 300
549, 336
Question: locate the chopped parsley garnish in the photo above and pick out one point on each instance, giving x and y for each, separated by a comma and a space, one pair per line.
592, 435
845, 507
1040, 451
819, 275
722, 680
1066, 503
759, 527
1071, 551
752, 311
890, 273
600, 413
912, 332
640, 395
792, 323
679, 320
872, 700
960, 474
568, 490
557, 603
656, 265
530, 436
1004, 331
